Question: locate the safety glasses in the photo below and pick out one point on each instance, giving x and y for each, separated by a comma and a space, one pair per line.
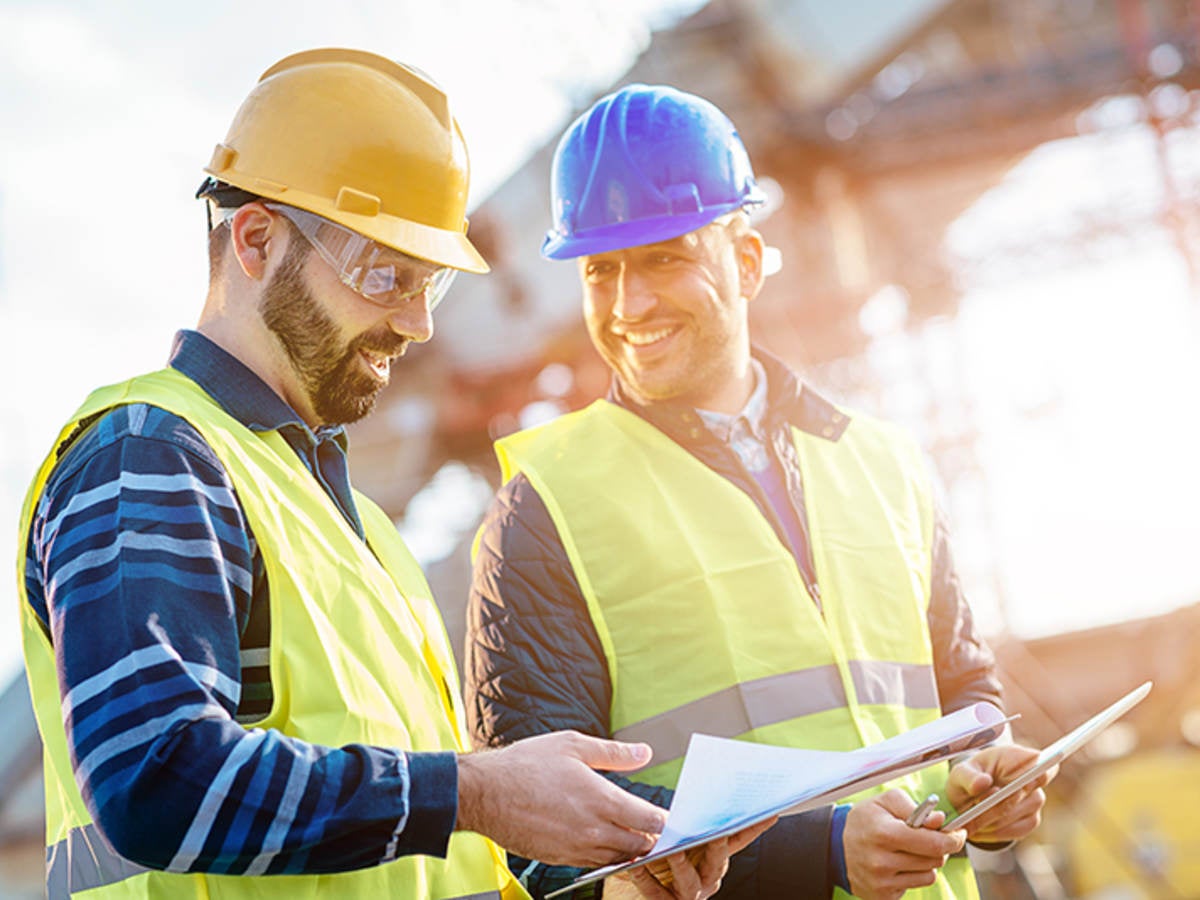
382, 275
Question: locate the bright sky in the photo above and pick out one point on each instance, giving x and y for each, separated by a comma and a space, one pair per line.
1082, 381
1083, 384
111, 109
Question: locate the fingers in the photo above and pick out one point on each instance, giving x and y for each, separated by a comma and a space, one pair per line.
1046, 777
896, 802
540, 798
1000, 765
648, 885
611, 756
967, 781
893, 832
1012, 759
874, 879
623, 823
1011, 820
698, 875
896, 883
934, 821
713, 866
885, 856
629, 811
613, 843
681, 876
747, 836
959, 836
639, 819
685, 878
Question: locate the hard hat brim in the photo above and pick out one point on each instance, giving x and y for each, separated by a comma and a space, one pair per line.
436, 245
635, 233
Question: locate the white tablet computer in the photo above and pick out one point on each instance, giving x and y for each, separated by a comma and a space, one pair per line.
1052, 756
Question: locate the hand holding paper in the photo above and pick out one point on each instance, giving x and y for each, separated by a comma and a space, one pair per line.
688, 875
729, 785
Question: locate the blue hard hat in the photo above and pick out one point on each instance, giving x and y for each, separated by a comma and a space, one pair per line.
647, 163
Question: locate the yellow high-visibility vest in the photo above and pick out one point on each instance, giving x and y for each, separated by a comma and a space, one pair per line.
343, 613
704, 617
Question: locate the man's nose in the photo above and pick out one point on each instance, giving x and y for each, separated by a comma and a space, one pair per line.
413, 319
635, 296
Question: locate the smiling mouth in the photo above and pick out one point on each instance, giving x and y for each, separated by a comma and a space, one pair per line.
649, 337
379, 363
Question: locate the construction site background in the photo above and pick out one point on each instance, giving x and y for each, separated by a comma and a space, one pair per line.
988, 213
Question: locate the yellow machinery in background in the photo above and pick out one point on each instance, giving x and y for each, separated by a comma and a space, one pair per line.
1137, 828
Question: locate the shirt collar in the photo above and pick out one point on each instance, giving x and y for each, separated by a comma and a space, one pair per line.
753, 413
239, 391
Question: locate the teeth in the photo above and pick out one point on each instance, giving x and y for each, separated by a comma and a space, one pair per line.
642, 338
377, 362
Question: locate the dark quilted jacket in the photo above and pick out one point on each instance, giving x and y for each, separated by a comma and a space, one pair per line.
534, 663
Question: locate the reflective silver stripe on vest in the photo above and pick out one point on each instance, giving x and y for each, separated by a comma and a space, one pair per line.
738, 709
777, 698
894, 684
84, 861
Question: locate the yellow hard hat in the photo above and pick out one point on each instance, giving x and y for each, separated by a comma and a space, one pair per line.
361, 140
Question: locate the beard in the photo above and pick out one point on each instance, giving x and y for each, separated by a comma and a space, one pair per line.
330, 369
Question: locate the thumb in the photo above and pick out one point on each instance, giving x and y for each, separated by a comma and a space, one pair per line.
613, 756
968, 780
896, 802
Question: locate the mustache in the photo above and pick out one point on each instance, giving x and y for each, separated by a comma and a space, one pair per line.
385, 344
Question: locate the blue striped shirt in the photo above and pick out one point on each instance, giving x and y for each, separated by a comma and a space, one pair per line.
151, 586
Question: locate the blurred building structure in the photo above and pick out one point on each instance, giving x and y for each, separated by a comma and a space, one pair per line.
22, 820
872, 159
1121, 817
877, 126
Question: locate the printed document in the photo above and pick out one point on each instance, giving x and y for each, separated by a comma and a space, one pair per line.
727, 785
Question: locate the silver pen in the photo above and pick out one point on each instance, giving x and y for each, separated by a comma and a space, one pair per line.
918, 816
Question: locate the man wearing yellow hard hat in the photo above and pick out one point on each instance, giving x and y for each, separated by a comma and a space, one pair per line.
241, 681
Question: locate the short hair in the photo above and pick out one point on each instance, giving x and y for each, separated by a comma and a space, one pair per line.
218, 240
218, 195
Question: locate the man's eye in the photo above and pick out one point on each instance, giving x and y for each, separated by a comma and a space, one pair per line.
379, 280
598, 272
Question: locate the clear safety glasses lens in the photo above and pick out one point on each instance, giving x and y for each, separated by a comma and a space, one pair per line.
381, 274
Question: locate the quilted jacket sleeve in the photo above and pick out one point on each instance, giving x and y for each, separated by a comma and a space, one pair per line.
533, 664
964, 664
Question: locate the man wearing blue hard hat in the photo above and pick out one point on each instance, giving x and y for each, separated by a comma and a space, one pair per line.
717, 548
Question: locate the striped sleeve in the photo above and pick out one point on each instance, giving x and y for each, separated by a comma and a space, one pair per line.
143, 568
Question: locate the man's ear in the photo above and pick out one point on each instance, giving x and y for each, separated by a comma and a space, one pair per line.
750, 246
251, 230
